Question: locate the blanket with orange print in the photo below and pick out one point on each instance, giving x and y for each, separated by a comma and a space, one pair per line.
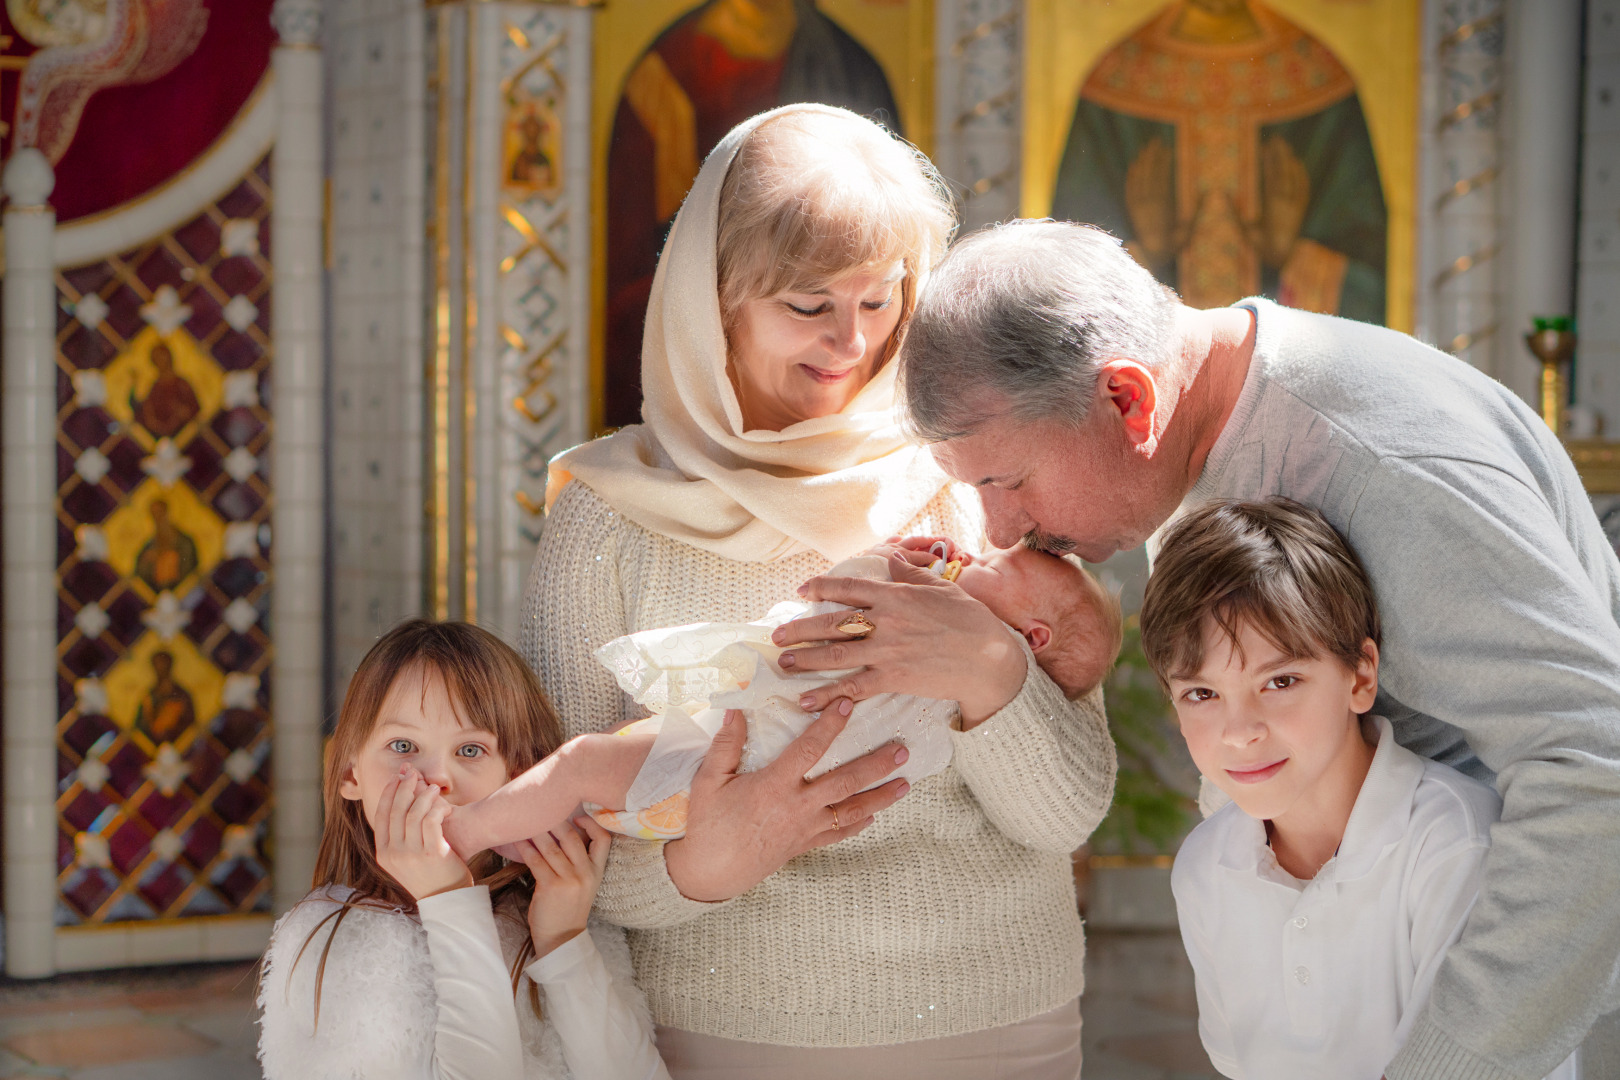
688, 676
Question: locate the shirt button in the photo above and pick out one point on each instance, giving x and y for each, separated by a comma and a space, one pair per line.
1303, 974
1300, 922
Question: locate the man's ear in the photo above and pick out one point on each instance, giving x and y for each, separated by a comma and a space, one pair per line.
1128, 388
348, 786
1039, 636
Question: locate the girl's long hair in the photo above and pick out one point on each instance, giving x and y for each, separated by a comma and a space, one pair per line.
490, 688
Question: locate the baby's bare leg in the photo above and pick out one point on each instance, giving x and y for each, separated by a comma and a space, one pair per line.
596, 768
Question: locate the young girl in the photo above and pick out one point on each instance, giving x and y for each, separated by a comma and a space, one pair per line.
407, 962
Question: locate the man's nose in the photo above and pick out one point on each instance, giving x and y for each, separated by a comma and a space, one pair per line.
1004, 523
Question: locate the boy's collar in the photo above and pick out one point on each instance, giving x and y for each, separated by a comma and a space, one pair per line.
1383, 808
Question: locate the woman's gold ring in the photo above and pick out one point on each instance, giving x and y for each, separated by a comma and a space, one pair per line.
856, 624
834, 809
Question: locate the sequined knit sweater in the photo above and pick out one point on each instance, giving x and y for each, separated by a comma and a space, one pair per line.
953, 912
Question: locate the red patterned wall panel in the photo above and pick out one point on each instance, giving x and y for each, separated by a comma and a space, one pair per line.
164, 571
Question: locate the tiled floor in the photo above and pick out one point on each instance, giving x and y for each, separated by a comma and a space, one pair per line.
1139, 1016
192, 1022
196, 1022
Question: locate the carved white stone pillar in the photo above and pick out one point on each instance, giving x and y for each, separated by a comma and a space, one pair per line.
1459, 303
978, 115
298, 517
30, 566
541, 263
510, 363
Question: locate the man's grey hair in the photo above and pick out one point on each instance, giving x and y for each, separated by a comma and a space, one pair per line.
1016, 321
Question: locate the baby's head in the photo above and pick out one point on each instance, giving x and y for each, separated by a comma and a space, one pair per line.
1071, 622
1260, 621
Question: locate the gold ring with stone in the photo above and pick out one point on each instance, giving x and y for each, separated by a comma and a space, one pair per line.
856, 624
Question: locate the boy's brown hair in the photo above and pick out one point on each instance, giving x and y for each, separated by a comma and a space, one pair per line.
1274, 565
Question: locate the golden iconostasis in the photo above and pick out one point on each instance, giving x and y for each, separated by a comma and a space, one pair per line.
1238, 146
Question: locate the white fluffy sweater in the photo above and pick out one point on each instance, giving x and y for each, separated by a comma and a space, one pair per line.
380, 1009
952, 913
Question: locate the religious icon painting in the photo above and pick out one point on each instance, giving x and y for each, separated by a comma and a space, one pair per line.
159, 689
1237, 147
531, 161
162, 536
161, 383
674, 76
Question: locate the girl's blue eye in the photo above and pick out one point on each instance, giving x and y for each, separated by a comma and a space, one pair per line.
471, 750
401, 746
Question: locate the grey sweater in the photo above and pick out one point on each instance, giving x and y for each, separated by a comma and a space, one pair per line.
1499, 596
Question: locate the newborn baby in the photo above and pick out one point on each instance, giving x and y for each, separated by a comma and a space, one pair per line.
636, 780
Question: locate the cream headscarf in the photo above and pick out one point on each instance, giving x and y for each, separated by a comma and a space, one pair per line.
835, 484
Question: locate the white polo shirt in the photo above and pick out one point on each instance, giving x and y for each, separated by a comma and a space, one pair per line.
1324, 978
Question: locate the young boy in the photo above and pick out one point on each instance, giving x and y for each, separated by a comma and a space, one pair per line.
636, 780
1318, 904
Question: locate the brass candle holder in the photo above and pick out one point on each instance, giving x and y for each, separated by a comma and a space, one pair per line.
1597, 460
1553, 343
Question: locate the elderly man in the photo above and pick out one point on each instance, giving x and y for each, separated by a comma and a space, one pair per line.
1087, 404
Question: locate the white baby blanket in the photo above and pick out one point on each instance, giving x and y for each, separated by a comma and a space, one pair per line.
687, 676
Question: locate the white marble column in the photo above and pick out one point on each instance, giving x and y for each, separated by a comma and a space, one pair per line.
1597, 367
298, 517
30, 566
1543, 102
978, 134
376, 101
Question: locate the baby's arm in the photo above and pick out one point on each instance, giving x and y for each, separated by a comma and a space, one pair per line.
597, 768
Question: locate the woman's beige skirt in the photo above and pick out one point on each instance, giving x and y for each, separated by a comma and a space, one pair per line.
1045, 1047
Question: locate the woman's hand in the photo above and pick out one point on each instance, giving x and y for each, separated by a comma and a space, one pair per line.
410, 837
932, 640
743, 827
567, 871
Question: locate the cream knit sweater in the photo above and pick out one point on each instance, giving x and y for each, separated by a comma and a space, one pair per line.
953, 912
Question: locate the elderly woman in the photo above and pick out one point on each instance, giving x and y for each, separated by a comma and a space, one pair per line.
772, 940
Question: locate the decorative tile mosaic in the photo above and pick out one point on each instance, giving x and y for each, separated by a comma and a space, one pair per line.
164, 572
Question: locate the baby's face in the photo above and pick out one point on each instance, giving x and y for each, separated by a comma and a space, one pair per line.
1020, 584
